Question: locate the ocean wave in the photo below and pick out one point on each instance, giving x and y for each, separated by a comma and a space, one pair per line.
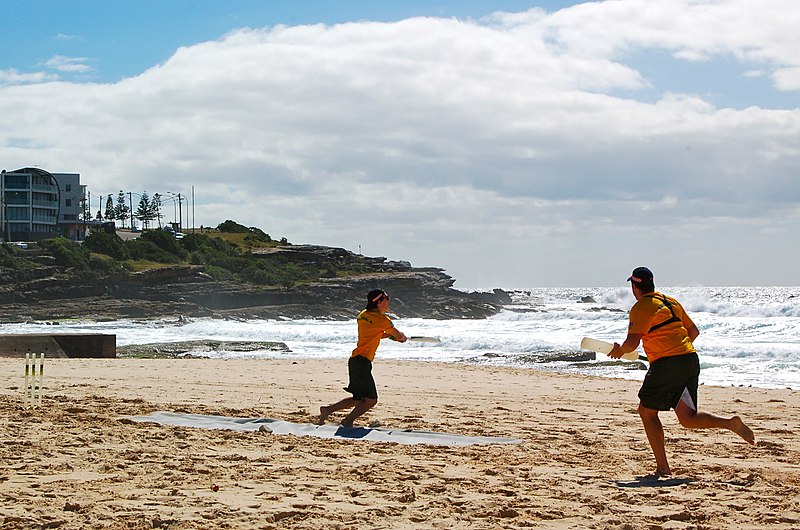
748, 335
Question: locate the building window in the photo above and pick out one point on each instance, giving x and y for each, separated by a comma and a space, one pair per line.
17, 214
19, 182
67, 202
16, 197
69, 187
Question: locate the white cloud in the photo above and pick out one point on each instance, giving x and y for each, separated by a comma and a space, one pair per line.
13, 77
499, 149
68, 64
788, 78
67, 37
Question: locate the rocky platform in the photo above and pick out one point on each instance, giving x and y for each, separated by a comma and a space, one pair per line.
187, 291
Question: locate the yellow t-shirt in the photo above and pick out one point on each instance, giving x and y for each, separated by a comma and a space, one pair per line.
371, 327
668, 340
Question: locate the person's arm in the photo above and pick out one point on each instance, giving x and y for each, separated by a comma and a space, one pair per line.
631, 343
395, 334
688, 324
693, 332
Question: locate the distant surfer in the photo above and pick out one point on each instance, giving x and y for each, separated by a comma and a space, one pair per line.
667, 333
373, 325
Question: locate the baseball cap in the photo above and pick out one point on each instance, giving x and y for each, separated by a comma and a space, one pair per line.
641, 274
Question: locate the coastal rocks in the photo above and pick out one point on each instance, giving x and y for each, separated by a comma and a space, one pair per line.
190, 291
197, 348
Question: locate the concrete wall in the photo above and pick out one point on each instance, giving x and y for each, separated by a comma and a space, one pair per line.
60, 345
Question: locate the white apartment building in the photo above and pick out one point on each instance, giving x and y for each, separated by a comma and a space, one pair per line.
35, 204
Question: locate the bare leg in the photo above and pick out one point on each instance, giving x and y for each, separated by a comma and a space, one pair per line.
362, 407
346, 403
655, 435
692, 419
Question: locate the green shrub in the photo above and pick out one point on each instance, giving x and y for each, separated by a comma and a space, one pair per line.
67, 253
192, 242
109, 244
233, 227
7, 257
165, 241
260, 277
144, 249
218, 273
106, 265
196, 258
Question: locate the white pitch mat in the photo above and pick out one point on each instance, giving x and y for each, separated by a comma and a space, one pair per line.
203, 421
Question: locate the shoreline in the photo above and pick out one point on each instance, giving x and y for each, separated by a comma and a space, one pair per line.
582, 462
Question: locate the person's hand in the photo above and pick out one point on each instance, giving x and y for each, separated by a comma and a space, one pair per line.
399, 337
616, 351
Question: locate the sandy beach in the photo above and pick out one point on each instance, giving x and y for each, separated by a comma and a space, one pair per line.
582, 463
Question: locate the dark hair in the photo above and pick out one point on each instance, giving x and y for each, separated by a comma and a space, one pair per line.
375, 296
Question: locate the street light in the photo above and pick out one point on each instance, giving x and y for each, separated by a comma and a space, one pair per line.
174, 208
180, 198
130, 202
3, 206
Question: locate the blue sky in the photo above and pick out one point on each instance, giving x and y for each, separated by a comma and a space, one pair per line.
108, 41
124, 38
512, 143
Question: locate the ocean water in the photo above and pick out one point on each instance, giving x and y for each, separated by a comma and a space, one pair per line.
749, 336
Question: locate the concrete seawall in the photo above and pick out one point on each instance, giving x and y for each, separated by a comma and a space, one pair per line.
59, 345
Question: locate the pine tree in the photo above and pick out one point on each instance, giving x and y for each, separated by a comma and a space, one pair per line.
144, 211
110, 214
121, 210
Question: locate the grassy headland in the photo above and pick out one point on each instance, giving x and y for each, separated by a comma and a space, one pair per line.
231, 252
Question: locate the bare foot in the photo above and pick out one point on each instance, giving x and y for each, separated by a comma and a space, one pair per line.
663, 472
738, 426
324, 412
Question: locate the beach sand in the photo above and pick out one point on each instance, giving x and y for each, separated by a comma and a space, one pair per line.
583, 461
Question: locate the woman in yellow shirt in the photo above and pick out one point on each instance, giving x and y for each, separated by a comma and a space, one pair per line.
667, 333
373, 325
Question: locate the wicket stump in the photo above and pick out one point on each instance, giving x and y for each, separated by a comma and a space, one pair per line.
34, 372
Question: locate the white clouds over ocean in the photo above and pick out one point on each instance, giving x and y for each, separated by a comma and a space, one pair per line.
515, 150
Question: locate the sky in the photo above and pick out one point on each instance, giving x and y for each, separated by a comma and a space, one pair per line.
514, 144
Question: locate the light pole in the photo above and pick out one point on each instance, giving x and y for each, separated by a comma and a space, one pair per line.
180, 198
156, 203
3, 208
130, 202
174, 199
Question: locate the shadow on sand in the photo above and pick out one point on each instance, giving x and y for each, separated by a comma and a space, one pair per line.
352, 432
653, 481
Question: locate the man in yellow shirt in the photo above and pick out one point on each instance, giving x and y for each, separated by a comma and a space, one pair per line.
373, 325
667, 334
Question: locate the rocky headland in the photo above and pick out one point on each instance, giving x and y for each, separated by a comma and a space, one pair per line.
189, 291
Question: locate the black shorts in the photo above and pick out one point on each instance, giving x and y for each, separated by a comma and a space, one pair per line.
667, 380
362, 385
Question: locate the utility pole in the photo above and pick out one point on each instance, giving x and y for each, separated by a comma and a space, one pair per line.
130, 201
3, 210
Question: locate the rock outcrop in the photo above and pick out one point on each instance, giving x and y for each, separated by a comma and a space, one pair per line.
188, 291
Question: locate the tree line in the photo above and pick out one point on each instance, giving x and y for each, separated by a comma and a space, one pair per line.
148, 209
